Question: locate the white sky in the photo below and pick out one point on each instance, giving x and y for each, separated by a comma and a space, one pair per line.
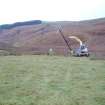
50, 10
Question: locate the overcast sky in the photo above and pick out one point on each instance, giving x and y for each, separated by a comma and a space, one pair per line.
50, 10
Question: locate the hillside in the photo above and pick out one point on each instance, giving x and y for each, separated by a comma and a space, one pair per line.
23, 38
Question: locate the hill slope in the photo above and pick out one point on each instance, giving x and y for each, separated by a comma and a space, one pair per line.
38, 38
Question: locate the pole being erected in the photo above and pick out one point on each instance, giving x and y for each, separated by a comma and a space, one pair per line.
61, 33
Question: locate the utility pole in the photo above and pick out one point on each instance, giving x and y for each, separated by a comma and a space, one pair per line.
61, 33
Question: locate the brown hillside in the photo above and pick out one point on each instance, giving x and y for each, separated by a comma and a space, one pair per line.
37, 39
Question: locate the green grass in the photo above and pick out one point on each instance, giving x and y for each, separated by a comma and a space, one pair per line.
51, 80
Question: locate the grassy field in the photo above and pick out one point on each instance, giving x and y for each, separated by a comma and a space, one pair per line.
51, 80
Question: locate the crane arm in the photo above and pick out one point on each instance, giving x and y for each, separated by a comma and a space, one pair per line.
76, 38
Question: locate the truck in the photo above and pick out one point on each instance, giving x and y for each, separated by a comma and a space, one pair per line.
81, 51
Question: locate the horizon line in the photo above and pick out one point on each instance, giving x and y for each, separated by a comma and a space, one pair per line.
81, 20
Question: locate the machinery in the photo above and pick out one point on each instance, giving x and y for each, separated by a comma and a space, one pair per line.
81, 51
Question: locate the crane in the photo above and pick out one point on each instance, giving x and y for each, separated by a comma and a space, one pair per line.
81, 51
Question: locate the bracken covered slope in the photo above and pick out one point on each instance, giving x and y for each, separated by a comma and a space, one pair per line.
38, 38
